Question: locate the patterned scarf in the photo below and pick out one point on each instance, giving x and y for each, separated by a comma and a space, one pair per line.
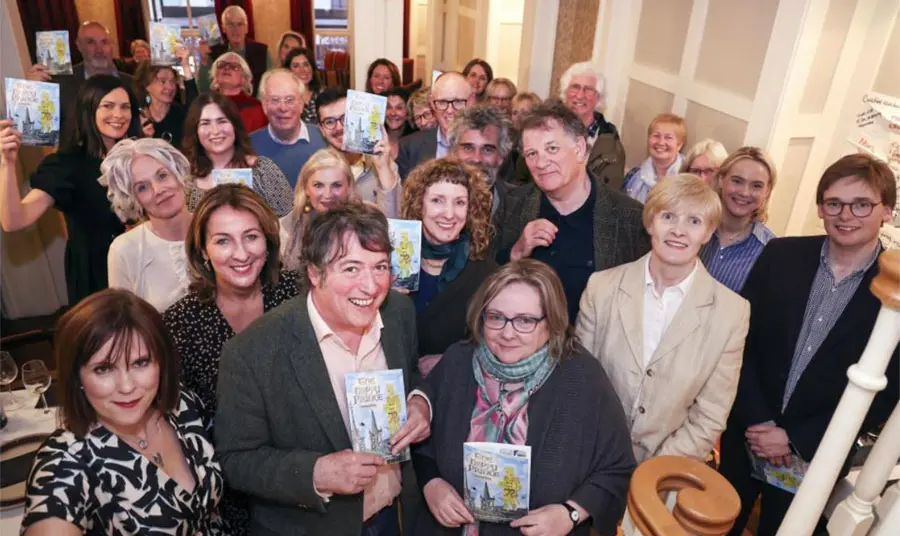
646, 178
456, 253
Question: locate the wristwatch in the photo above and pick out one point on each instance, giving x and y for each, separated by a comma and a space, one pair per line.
573, 514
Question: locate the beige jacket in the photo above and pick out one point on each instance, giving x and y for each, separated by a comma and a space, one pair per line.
685, 393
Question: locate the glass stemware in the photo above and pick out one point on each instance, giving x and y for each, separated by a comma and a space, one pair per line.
8, 373
37, 380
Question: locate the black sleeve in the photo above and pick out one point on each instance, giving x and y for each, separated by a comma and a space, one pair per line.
54, 176
190, 93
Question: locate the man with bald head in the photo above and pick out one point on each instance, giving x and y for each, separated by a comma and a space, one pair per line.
450, 94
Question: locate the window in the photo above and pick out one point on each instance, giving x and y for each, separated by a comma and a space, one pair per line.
175, 11
331, 14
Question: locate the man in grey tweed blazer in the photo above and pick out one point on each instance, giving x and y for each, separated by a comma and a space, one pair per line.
282, 422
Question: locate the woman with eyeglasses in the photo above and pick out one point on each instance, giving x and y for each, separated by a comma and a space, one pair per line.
156, 87
500, 93
105, 112
479, 74
522, 378
420, 113
302, 63
704, 160
232, 78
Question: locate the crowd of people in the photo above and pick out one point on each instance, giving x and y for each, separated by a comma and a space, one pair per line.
601, 316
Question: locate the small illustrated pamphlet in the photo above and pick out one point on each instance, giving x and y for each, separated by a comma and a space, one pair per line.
34, 107
163, 40
406, 259
240, 175
53, 52
787, 478
363, 121
376, 404
497, 480
209, 29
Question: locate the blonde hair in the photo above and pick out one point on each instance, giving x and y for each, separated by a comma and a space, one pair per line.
505, 82
290, 33
527, 95
683, 191
246, 73
760, 157
714, 150
421, 98
670, 119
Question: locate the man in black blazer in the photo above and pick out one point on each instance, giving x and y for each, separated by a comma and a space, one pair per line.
449, 94
282, 424
811, 316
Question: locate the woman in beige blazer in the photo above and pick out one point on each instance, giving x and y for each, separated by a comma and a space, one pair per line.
670, 337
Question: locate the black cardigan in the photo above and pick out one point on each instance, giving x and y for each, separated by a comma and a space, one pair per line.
580, 444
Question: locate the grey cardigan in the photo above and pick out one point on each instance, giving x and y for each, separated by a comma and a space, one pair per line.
277, 414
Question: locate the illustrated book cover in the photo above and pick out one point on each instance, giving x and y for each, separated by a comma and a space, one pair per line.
34, 108
406, 259
787, 478
376, 404
239, 175
209, 29
497, 480
163, 40
53, 52
363, 121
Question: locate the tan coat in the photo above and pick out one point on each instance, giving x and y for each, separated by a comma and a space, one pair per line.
687, 389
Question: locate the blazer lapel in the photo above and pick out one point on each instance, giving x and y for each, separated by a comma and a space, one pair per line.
540, 413
630, 303
393, 350
605, 228
687, 318
430, 146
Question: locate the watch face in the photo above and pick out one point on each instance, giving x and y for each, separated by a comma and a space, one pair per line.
574, 515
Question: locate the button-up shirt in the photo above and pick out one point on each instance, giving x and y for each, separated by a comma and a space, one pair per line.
660, 309
302, 135
731, 265
443, 145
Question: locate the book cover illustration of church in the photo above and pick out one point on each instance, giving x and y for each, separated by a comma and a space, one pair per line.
164, 38
376, 407
406, 259
53, 52
209, 29
363, 121
497, 480
34, 108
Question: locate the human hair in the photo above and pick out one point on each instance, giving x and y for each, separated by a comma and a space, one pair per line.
683, 191
714, 150
329, 95
478, 215
110, 315
328, 158
480, 118
117, 177
670, 119
563, 342
549, 114
481, 63
527, 95
138, 43
395, 73
238, 197
144, 75
397, 91
873, 172
505, 82
85, 136
233, 57
325, 238
420, 98
201, 165
588, 68
264, 81
234, 10
760, 157
286, 35
314, 84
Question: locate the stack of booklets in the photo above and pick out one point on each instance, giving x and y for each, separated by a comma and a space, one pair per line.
233, 175
53, 52
363, 121
497, 480
406, 259
376, 404
34, 108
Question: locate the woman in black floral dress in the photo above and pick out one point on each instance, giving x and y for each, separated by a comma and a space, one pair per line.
134, 454
233, 256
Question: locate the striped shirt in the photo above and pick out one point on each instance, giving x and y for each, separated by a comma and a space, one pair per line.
827, 300
731, 265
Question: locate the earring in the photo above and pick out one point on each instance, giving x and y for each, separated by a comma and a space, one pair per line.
147, 98
207, 264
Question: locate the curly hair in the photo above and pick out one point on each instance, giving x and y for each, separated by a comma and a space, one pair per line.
478, 217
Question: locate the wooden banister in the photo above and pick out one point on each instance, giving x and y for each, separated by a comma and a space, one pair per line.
706, 504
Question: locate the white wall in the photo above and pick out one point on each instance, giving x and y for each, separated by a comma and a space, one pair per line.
538, 43
504, 37
376, 28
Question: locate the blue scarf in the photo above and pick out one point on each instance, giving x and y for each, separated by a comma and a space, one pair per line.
456, 253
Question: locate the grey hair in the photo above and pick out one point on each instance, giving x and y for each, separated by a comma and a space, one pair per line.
421, 97
115, 172
710, 147
232, 10
585, 67
549, 114
505, 82
264, 81
246, 74
479, 118
138, 43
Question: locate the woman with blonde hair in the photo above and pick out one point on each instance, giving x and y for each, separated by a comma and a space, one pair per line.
288, 41
420, 112
745, 183
665, 139
704, 159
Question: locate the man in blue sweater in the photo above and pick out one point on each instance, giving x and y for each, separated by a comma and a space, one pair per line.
287, 139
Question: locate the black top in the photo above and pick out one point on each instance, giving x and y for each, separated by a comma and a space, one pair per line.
171, 128
70, 178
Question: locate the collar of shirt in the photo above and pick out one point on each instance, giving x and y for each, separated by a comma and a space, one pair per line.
370, 338
594, 127
823, 260
683, 287
112, 71
360, 166
758, 231
442, 140
304, 135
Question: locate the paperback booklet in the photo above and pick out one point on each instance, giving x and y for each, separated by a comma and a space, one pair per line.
163, 40
53, 52
240, 175
497, 480
363, 121
406, 259
34, 108
209, 29
376, 404
786, 477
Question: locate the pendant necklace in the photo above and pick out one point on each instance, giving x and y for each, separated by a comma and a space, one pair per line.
142, 443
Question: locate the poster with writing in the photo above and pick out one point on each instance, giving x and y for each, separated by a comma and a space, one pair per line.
877, 132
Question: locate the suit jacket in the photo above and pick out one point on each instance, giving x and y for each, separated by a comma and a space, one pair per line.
415, 149
576, 429
69, 84
277, 414
778, 289
679, 402
619, 234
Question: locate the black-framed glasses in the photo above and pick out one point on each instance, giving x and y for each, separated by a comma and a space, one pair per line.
424, 116
331, 123
521, 323
859, 208
458, 104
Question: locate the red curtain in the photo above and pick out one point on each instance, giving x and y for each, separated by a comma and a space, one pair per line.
303, 22
248, 7
44, 15
130, 18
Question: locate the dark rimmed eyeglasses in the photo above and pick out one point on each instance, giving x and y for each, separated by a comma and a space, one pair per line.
859, 208
521, 323
331, 123
458, 104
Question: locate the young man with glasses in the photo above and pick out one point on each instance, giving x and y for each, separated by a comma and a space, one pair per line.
812, 315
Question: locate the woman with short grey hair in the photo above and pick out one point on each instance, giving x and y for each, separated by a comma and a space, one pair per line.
146, 184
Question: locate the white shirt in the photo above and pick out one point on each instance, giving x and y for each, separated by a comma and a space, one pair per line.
659, 310
152, 268
303, 135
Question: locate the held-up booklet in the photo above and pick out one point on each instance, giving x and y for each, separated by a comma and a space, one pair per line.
787, 478
34, 108
209, 29
363, 121
53, 52
497, 480
406, 259
376, 404
163, 40
233, 175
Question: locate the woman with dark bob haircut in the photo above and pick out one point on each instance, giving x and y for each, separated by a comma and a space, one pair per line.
479, 74
156, 88
381, 76
523, 379
302, 63
105, 112
133, 453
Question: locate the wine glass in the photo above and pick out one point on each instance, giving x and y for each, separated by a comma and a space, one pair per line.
8, 373
37, 379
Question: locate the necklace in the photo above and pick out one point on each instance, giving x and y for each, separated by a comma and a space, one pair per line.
142, 443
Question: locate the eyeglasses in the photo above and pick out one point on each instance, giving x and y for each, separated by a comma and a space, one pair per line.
521, 323
225, 66
575, 89
499, 100
276, 101
458, 104
703, 172
424, 116
859, 208
232, 24
330, 123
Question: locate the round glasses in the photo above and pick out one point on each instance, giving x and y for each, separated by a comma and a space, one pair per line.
521, 323
331, 123
458, 104
859, 208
